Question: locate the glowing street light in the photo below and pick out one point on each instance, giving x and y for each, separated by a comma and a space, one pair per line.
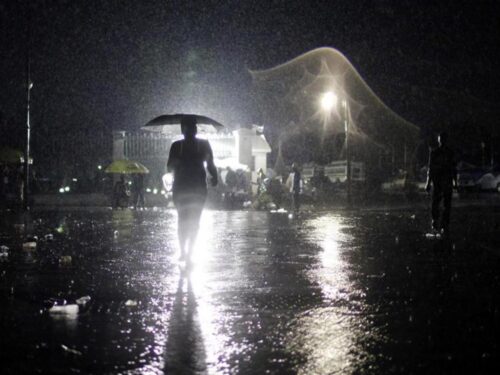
328, 102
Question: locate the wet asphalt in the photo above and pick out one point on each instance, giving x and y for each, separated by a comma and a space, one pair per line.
331, 292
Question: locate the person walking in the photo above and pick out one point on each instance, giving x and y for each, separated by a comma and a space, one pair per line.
120, 196
294, 183
138, 186
442, 177
187, 160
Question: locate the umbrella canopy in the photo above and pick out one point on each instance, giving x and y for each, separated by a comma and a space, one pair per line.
162, 123
126, 167
12, 156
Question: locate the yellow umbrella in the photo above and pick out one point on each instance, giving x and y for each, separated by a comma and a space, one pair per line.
126, 167
10, 155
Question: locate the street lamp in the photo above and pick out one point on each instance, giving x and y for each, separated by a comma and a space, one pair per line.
328, 101
29, 86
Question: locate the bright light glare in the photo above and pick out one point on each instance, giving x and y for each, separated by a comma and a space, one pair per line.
66, 188
328, 101
99, 167
61, 190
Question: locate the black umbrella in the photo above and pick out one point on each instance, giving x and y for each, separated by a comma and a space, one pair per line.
161, 123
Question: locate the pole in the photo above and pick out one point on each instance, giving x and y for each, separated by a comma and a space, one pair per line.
26, 189
347, 153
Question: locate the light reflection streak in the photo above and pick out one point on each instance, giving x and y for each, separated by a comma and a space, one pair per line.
198, 302
326, 336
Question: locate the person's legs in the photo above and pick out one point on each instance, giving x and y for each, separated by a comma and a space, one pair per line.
182, 230
182, 222
142, 202
296, 202
194, 214
136, 200
445, 221
436, 199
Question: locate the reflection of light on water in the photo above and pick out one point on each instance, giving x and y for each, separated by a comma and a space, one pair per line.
206, 317
326, 336
204, 241
200, 276
331, 275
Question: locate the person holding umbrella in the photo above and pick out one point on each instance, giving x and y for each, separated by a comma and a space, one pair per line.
187, 160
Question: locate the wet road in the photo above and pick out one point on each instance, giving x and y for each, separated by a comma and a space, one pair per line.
360, 292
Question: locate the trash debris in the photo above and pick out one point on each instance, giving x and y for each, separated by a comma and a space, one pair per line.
70, 350
19, 227
66, 310
4, 251
247, 204
29, 246
115, 234
65, 260
82, 301
49, 237
54, 302
413, 216
131, 303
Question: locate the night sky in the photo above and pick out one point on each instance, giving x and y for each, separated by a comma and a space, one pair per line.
119, 63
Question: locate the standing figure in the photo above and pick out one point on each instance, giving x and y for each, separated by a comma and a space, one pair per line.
231, 182
294, 183
187, 160
442, 175
138, 186
120, 196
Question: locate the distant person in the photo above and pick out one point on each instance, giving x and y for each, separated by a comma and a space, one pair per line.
442, 176
5, 183
294, 183
261, 176
275, 189
138, 190
231, 182
120, 196
187, 160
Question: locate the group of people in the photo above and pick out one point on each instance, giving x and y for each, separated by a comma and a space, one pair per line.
122, 193
188, 157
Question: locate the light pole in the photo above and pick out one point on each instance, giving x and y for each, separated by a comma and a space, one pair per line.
328, 102
29, 86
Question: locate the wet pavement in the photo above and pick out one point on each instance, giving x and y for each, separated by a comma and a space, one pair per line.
347, 292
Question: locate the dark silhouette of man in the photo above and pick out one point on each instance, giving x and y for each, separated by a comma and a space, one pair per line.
295, 185
138, 186
442, 175
120, 197
187, 160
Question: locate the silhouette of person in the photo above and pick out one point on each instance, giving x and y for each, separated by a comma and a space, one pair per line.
138, 186
231, 182
294, 183
120, 197
442, 175
187, 160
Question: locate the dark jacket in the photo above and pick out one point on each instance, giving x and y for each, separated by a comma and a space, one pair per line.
442, 166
